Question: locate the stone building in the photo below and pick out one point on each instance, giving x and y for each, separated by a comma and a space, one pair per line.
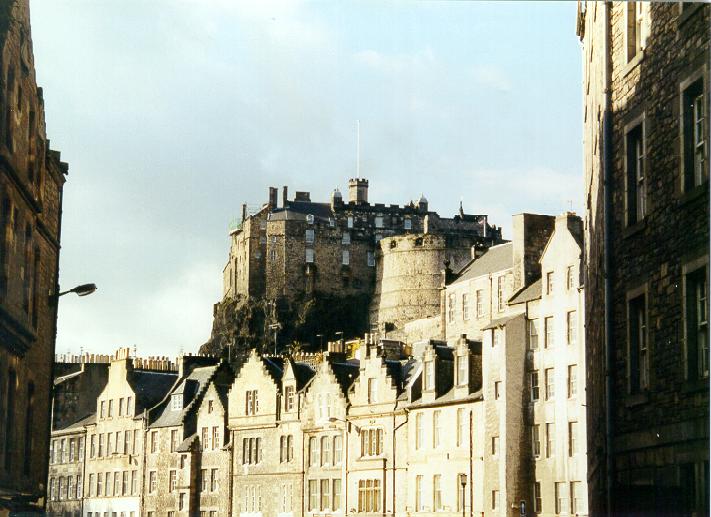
304, 247
31, 182
65, 481
185, 461
646, 145
116, 440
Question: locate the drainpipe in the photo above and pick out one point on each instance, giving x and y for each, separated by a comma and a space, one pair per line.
471, 466
395, 428
230, 472
607, 258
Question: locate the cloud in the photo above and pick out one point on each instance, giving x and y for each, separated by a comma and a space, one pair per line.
491, 77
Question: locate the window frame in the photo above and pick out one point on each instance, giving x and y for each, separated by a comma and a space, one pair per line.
643, 381
638, 187
694, 268
687, 138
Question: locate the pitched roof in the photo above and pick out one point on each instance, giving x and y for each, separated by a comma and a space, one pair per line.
298, 210
501, 321
77, 424
528, 293
150, 387
496, 258
190, 387
345, 373
303, 373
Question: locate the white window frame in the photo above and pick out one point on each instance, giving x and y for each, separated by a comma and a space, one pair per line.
641, 180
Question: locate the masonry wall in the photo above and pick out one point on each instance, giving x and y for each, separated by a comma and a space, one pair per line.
660, 434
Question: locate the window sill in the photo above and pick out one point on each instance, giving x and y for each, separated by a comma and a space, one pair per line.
632, 63
636, 400
694, 193
634, 229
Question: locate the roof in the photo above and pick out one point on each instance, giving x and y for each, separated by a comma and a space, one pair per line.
530, 292
448, 398
303, 373
496, 258
189, 388
298, 210
275, 367
150, 387
77, 424
345, 373
501, 321
186, 444
400, 371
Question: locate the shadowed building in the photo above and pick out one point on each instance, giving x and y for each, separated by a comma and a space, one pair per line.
646, 152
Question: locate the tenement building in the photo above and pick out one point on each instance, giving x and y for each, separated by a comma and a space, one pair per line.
31, 182
646, 144
304, 247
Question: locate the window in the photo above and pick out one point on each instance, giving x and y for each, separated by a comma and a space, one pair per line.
550, 439
571, 322
210, 406
111, 409
407, 223
437, 492
451, 306
253, 498
638, 353
309, 237
572, 380
204, 439
127, 442
215, 437
494, 445
251, 451
285, 502
203, 480
696, 320
534, 386
313, 495
289, 392
549, 282
636, 185
345, 257
635, 33
310, 219
429, 376
72, 450
92, 446
695, 164
272, 255
550, 383
181, 501
350, 221
134, 482
371, 442
81, 448
372, 390
309, 256
337, 450
336, 501
378, 221
371, 259
346, 238
535, 440
533, 334
326, 450
462, 367
172, 481
561, 501
548, 324
128, 406
325, 494
91, 486
124, 484
418, 431
418, 493
152, 482
251, 402
102, 410
465, 306
173, 440
436, 429
214, 480
500, 304
314, 452
494, 499
100, 484
537, 501
572, 438
479, 303
286, 448
497, 390
70, 487
109, 443
575, 498
101, 446
154, 442
461, 427
369, 495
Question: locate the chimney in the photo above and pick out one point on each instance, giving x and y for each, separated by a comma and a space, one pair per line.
571, 222
530, 236
284, 196
244, 211
273, 193
358, 191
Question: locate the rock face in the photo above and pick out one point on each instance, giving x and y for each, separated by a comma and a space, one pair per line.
306, 322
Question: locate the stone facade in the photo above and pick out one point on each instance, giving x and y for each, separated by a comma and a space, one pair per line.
31, 182
65, 482
306, 247
646, 145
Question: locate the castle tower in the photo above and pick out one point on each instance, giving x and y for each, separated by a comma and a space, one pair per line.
358, 191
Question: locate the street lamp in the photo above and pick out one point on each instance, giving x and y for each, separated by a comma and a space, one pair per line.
80, 290
463, 481
334, 419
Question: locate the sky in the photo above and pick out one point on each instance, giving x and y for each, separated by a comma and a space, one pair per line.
172, 113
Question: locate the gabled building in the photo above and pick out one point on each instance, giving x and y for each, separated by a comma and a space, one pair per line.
65, 481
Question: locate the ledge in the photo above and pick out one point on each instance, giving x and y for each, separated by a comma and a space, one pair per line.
632, 63
634, 229
694, 193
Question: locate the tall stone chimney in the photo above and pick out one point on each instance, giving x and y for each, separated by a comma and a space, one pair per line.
530, 235
284, 196
358, 191
273, 196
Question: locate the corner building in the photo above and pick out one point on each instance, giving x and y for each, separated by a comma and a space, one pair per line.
646, 153
31, 182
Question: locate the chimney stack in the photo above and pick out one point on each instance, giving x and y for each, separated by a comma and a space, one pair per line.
273, 193
284, 196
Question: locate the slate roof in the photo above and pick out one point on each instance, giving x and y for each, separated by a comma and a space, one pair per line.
530, 292
448, 398
496, 258
275, 367
298, 210
77, 424
303, 374
401, 371
346, 374
501, 321
185, 444
189, 387
150, 387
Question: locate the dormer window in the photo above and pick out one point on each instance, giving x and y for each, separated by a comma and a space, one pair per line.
176, 402
462, 367
289, 392
310, 219
429, 375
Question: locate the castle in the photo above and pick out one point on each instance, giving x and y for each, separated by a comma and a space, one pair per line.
352, 247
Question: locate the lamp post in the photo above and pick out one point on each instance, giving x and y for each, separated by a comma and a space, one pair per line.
463, 481
80, 290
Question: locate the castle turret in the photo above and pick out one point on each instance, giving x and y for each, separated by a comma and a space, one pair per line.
336, 198
422, 204
358, 191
